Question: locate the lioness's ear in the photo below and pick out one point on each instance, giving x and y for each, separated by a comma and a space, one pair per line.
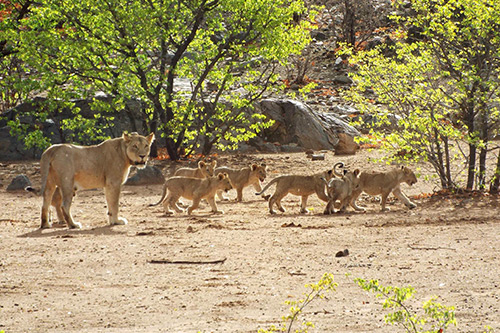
254, 167
201, 164
151, 137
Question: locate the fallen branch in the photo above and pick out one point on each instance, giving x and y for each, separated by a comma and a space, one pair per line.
188, 262
430, 248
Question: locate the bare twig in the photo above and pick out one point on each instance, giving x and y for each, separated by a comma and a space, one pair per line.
188, 262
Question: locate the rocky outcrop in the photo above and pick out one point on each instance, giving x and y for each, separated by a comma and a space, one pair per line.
295, 123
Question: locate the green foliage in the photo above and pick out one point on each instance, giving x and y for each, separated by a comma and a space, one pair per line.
317, 291
438, 91
435, 318
228, 51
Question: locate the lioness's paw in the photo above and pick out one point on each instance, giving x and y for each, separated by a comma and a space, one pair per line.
119, 221
75, 225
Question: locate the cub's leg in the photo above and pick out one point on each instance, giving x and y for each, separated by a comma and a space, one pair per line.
384, 201
57, 203
67, 191
303, 204
194, 205
211, 201
329, 207
276, 198
221, 196
239, 194
354, 197
400, 195
112, 192
258, 188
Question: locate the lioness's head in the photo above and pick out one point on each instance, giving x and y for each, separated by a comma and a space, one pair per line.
207, 169
138, 147
409, 176
260, 170
224, 182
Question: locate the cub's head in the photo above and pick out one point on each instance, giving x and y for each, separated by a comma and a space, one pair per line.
223, 182
207, 169
328, 174
408, 176
259, 171
138, 147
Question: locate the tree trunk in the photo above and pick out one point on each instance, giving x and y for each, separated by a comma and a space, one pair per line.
349, 23
495, 184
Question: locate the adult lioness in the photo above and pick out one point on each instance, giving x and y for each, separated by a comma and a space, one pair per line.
241, 178
341, 189
302, 186
66, 168
383, 183
193, 189
203, 170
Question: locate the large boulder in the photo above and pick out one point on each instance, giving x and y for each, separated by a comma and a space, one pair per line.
296, 123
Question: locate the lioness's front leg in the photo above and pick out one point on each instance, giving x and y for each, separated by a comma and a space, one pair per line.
113, 198
211, 201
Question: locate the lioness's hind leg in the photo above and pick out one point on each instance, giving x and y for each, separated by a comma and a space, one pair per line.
47, 194
57, 203
67, 198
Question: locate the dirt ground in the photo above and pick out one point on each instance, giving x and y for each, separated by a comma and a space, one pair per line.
104, 279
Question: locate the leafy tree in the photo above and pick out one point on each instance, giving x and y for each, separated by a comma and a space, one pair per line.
14, 84
227, 50
443, 87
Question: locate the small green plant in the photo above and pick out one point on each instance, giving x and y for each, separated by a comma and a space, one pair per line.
435, 319
318, 290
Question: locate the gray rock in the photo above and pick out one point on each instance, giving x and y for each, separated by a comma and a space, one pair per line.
150, 175
19, 183
297, 124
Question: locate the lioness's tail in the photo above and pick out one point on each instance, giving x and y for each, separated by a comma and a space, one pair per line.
268, 185
163, 195
45, 162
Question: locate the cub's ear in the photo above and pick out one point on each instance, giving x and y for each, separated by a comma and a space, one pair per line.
201, 164
214, 163
254, 167
356, 172
221, 176
151, 137
330, 172
263, 165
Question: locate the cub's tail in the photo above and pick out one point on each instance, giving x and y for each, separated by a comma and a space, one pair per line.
268, 185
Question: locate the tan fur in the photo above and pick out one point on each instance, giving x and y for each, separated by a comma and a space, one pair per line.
383, 183
203, 170
302, 186
241, 178
66, 168
341, 189
193, 189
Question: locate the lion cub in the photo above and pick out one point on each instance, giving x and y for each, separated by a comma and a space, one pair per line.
193, 189
203, 170
341, 189
383, 183
302, 186
241, 178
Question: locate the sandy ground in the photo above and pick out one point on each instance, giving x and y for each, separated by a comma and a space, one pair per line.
102, 279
